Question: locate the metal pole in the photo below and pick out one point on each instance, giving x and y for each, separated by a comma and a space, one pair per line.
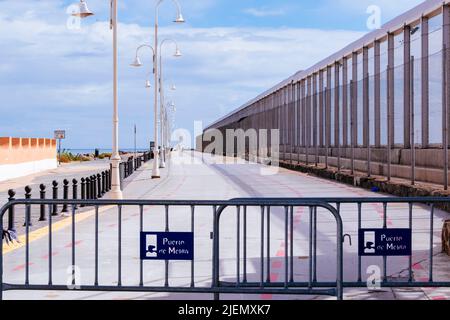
389, 146
352, 124
59, 151
162, 163
135, 148
412, 125
445, 116
116, 192
155, 172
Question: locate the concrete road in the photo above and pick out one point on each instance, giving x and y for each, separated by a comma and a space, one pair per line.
195, 176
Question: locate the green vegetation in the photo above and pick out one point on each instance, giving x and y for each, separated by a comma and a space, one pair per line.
105, 155
67, 157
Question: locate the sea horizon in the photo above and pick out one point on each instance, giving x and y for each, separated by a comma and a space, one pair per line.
101, 150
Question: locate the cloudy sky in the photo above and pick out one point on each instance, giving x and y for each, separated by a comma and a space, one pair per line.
56, 77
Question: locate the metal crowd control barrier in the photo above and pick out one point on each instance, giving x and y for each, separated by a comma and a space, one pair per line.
258, 279
427, 204
237, 210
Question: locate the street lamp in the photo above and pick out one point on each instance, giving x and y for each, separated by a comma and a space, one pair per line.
177, 54
116, 192
179, 19
84, 10
138, 63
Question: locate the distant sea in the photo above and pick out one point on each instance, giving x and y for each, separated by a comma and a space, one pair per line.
92, 151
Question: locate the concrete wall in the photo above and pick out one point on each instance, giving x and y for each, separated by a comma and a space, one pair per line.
23, 156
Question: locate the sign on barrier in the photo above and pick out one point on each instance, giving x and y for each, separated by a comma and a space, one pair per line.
385, 242
167, 246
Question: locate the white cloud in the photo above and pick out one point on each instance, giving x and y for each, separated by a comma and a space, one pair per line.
56, 76
264, 12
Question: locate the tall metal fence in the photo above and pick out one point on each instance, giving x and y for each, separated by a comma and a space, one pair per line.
380, 108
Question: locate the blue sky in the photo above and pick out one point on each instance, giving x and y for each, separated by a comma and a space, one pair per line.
52, 77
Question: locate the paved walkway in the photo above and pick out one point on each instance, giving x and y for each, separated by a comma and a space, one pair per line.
205, 180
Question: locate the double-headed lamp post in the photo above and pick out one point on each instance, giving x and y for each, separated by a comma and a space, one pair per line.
179, 19
138, 63
177, 54
116, 192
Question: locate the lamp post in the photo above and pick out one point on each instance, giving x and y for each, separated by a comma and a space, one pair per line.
116, 192
177, 54
169, 120
179, 19
160, 162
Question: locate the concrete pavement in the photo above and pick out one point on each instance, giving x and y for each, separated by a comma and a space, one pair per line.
206, 180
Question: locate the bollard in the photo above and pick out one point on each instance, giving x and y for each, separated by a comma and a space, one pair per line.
83, 190
94, 187
42, 193
75, 192
65, 194
106, 181
103, 182
91, 191
27, 208
88, 188
99, 186
11, 223
110, 177
55, 197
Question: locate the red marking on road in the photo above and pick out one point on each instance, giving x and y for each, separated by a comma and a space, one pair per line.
45, 257
22, 266
439, 298
417, 266
276, 264
274, 277
422, 279
69, 245
280, 253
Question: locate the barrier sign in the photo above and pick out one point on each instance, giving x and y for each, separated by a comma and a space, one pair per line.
167, 246
385, 242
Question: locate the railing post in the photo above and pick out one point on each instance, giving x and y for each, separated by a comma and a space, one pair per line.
103, 183
88, 188
11, 194
109, 179
99, 186
110, 176
75, 191
106, 181
83, 190
27, 210
42, 197
55, 197
94, 187
65, 194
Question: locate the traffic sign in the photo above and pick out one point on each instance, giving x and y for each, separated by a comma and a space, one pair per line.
60, 134
167, 246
